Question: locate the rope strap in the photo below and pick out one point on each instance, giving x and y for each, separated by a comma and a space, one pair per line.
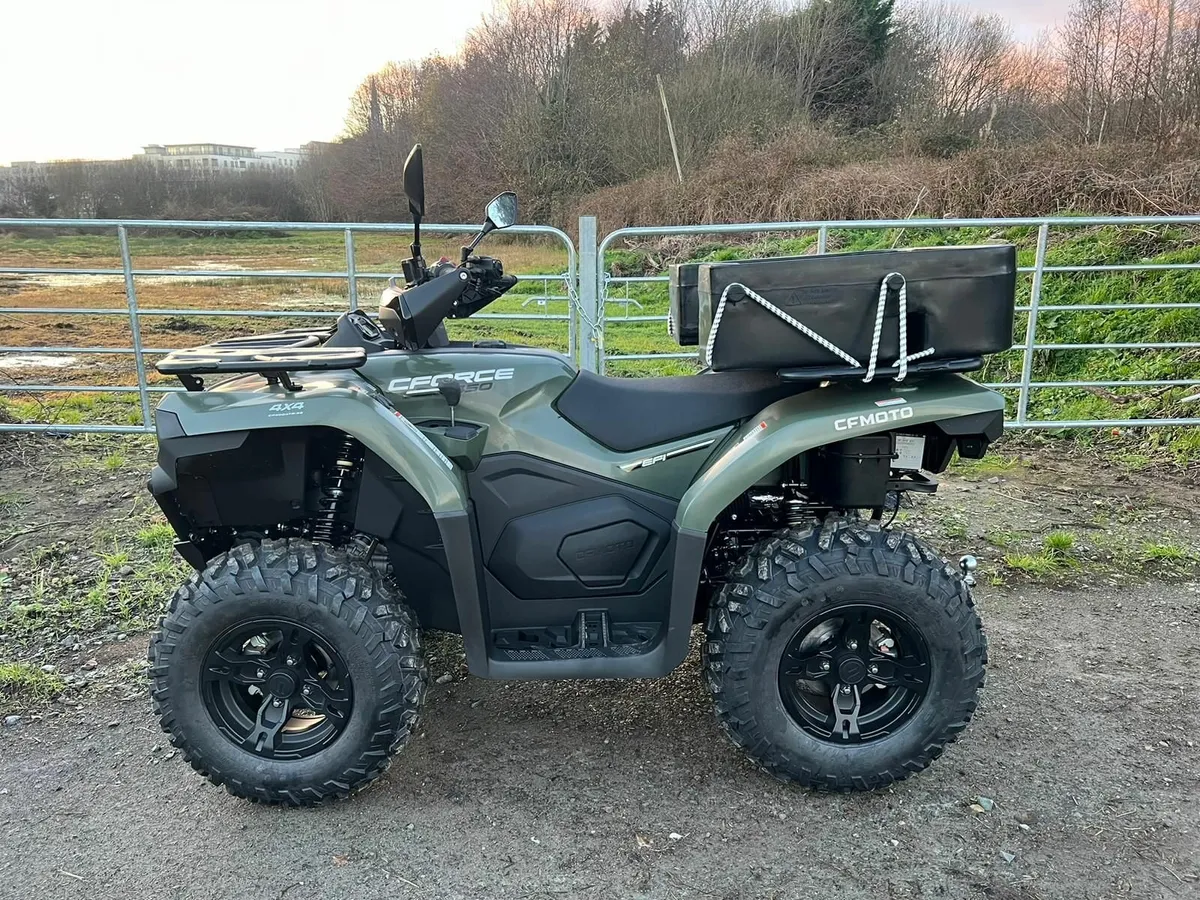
901, 363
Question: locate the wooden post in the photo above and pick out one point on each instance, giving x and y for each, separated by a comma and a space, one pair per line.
670, 128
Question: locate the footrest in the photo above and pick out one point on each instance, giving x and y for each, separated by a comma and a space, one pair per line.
591, 629
592, 635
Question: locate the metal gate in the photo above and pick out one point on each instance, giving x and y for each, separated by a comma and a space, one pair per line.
130, 274
581, 297
597, 286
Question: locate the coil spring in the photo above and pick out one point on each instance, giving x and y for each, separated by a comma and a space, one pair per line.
798, 512
335, 487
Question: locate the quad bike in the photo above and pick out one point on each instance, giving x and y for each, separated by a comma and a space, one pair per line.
348, 487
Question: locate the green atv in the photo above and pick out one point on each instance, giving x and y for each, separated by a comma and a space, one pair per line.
348, 487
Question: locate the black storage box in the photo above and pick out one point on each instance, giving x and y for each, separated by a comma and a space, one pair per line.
683, 323
959, 303
852, 474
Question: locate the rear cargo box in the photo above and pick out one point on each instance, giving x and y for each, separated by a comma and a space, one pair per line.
822, 311
683, 322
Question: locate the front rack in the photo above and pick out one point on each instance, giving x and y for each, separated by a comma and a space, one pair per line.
273, 356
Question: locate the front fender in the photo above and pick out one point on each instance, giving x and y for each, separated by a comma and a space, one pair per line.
818, 417
351, 406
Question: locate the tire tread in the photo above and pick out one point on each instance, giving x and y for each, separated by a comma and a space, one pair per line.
802, 561
358, 595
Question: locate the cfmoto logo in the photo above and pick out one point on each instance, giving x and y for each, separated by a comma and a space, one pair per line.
873, 418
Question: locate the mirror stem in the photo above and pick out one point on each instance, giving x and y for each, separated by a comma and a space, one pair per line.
415, 248
487, 229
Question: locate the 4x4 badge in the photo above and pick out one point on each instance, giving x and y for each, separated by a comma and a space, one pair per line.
285, 409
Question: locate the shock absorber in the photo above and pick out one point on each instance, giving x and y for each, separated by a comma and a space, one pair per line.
336, 485
797, 512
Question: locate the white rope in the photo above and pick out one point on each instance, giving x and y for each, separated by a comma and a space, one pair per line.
901, 363
879, 308
774, 310
905, 358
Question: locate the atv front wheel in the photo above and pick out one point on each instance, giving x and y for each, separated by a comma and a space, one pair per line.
844, 657
287, 672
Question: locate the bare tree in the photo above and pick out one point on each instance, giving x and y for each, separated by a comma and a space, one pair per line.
962, 55
386, 100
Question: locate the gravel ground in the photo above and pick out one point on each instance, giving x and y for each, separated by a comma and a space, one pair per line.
1086, 762
1077, 779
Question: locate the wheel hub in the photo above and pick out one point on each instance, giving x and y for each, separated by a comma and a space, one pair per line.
855, 674
852, 670
277, 688
282, 684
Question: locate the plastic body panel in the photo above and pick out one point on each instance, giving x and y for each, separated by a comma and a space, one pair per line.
390, 508
512, 392
556, 540
816, 418
344, 402
629, 529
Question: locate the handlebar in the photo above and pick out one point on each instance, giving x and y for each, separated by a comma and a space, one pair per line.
447, 291
486, 282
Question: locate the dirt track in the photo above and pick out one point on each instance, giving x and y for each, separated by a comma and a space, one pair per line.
510, 790
575, 790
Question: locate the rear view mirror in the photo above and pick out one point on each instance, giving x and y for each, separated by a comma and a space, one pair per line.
502, 211
414, 182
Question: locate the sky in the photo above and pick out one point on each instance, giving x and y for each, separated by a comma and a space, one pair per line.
98, 79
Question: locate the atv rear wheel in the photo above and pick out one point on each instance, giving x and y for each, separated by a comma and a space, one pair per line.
844, 657
288, 672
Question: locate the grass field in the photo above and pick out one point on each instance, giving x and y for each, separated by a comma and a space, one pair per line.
286, 299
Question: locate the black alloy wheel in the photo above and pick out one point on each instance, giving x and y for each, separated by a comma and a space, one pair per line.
855, 674
277, 689
288, 671
843, 656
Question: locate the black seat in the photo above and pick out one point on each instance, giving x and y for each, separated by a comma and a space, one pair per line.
627, 414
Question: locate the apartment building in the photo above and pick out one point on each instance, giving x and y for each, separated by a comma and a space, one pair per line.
209, 157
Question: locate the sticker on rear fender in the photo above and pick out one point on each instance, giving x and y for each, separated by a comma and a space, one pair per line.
871, 419
910, 452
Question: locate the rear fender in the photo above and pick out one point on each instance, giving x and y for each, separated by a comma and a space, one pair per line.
823, 416
792, 426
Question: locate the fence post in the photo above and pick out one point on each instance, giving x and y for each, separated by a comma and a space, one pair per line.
135, 328
351, 271
1035, 296
822, 238
591, 309
572, 286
